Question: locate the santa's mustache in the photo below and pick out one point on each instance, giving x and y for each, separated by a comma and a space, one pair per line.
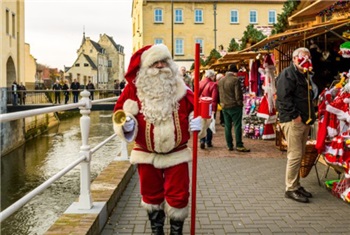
157, 71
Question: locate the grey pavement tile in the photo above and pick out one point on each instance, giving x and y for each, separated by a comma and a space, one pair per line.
243, 194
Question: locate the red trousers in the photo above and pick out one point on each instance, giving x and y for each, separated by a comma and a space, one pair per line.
171, 184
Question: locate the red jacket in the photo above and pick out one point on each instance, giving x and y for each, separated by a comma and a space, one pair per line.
209, 88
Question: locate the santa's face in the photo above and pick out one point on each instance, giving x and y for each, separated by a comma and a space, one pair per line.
156, 88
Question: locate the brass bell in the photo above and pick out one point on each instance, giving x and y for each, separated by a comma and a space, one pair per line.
119, 117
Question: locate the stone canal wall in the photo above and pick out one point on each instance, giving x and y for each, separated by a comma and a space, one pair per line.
15, 133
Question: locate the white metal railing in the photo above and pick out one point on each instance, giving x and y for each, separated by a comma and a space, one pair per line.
85, 199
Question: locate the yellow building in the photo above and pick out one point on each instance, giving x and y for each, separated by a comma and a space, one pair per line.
29, 68
209, 23
11, 43
100, 62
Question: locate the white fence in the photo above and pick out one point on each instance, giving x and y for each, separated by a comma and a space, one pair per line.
85, 154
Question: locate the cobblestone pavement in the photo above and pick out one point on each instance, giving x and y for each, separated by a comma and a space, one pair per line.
243, 193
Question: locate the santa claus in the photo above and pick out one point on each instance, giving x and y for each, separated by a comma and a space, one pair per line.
158, 107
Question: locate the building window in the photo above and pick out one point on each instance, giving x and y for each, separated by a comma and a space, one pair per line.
13, 25
109, 64
179, 46
201, 44
272, 16
77, 65
198, 16
253, 17
158, 41
158, 16
7, 21
234, 16
86, 65
178, 16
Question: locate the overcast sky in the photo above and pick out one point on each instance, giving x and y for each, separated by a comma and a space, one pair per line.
54, 28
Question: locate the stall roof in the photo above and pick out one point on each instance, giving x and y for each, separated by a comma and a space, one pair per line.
294, 35
239, 55
236, 57
312, 10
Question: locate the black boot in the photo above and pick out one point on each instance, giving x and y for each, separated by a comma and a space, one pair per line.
176, 227
157, 219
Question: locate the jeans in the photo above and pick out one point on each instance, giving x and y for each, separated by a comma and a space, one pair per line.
14, 101
208, 138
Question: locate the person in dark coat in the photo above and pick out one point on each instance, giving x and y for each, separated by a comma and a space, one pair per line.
75, 86
296, 114
65, 89
57, 88
91, 88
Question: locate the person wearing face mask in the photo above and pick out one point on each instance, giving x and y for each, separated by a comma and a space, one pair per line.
296, 115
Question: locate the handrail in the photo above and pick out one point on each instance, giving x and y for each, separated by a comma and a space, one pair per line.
85, 199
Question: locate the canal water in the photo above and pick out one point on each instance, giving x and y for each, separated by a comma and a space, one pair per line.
30, 165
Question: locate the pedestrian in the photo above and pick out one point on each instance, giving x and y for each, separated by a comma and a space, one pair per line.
22, 94
231, 101
296, 113
14, 89
57, 90
159, 105
209, 88
187, 78
222, 120
116, 87
122, 85
75, 86
91, 88
65, 89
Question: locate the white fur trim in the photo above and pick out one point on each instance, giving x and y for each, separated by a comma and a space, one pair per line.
269, 136
152, 207
263, 115
159, 160
178, 214
332, 131
154, 53
181, 88
164, 136
333, 110
126, 136
131, 107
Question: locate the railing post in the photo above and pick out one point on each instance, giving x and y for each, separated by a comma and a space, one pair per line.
124, 152
85, 198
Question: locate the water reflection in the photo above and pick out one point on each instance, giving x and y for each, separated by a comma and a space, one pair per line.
28, 166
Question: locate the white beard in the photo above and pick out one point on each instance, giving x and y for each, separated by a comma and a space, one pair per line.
156, 89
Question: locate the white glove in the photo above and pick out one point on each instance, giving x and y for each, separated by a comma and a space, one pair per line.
129, 125
196, 124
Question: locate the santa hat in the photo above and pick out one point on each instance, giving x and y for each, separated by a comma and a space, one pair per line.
145, 57
134, 65
155, 53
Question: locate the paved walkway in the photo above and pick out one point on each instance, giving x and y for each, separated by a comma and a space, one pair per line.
243, 193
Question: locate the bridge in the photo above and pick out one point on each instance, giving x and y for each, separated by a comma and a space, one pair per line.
237, 192
35, 99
